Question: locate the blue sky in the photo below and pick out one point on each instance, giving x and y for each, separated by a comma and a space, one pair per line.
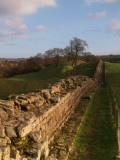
34, 26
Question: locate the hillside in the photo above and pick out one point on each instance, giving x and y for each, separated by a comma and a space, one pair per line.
29, 82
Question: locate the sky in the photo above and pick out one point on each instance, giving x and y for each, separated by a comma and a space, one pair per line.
28, 27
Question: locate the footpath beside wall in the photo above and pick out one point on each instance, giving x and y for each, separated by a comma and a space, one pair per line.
28, 121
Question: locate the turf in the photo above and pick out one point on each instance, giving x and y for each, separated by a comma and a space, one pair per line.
96, 139
113, 73
37, 80
53, 73
89, 70
113, 78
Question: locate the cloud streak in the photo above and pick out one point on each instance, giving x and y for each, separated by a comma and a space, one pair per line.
16, 23
23, 7
13, 28
98, 15
115, 26
100, 1
13, 35
42, 28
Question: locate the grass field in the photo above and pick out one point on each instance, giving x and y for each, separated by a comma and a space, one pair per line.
96, 139
113, 73
29, 82
113, 77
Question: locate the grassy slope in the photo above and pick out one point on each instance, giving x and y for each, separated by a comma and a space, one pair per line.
53, 73
113, 76
96, 139
29, 82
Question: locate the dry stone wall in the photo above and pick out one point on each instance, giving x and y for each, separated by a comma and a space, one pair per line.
28, 121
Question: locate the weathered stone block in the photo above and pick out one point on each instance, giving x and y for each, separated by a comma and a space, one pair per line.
33, 98
7, 103
2, 131
0, 155
23, 102
55, 99
5, 152
40, 103
54, 89
46, 93
23, 129
3, 115
10, 131
3, 142
14, 153
36, 136
10, 111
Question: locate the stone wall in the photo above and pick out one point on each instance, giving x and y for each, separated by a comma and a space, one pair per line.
28, 122
98, 72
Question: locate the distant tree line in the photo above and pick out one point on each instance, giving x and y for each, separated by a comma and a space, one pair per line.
111, 58
74, 51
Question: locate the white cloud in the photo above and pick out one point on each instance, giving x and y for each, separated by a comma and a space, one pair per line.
11, 44
98, 15
13, 28
16, 23
6, 34
100, 1
23, 7
62, 27
21, 36
115, 26
37, 39
13, 35
2, 39
42, 28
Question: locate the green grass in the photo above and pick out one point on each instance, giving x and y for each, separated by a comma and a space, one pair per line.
113, 73
96, 139
51, 73
113, 77
37, 80
89, 70
116, 91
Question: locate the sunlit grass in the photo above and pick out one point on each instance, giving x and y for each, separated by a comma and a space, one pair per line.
113, 78
37, 80
96, 139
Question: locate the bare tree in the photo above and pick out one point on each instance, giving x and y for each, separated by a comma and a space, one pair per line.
68, 52
77, 47
87, 53
55, 53
39, 55
48, 57
49, 53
